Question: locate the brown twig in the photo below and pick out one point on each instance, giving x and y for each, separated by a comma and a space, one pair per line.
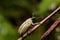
50, 29
35, 27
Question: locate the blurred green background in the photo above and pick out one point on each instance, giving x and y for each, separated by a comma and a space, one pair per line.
14, 12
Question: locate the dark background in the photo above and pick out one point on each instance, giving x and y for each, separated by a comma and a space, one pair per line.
14, 12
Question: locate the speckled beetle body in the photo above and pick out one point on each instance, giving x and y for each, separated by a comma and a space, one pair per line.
25, 25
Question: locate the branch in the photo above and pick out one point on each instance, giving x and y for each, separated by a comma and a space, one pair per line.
35, 27
50, 29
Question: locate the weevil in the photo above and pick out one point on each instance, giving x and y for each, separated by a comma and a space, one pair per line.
25, 25
35, 27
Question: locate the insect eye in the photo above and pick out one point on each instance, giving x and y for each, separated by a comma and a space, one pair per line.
33, 18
